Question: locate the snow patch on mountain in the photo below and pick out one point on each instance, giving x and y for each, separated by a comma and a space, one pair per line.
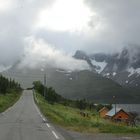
61, 71
99, 65
123, 67
126, 81
114, 73
133, 71
107, 75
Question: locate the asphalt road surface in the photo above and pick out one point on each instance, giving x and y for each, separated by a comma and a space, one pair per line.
23, 121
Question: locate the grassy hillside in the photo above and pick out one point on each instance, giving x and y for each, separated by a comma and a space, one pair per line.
78, 85
91, 86
8, 100
70, 118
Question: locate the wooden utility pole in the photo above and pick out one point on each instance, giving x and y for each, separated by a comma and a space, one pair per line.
44, 83
115, 103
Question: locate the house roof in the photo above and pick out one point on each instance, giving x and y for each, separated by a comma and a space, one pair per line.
112, 112
104, 108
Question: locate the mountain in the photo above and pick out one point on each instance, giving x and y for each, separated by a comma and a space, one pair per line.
97, 62
122, 67
76, 84
110, 75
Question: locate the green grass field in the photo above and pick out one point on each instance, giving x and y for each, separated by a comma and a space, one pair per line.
8, 100
70, 118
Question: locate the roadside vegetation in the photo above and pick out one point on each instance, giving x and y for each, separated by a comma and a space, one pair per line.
9, 93
76, 115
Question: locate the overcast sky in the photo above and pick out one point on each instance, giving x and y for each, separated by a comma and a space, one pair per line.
60, 27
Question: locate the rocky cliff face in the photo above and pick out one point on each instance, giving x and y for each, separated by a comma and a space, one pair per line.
123, 67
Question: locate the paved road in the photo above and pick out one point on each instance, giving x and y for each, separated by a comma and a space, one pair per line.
23, 121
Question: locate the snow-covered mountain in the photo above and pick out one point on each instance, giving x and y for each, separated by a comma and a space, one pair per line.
95, 84
122, 67
75, 84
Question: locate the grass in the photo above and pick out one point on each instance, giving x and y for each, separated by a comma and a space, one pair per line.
70, 118
8, 100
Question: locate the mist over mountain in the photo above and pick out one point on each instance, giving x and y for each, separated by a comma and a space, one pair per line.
105, 76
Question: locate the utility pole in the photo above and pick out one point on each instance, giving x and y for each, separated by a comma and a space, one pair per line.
115, 103
43, 70
44, 83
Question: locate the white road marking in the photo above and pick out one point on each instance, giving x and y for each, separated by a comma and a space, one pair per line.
55, 135
39, 113
44, 119
127, 138
48, 125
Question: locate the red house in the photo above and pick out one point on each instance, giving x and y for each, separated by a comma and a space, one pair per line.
117, 114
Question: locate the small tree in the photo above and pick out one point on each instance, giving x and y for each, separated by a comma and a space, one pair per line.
81, 104
38, 87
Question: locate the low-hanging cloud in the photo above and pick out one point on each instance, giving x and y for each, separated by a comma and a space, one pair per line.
39, 53
16, 20
114, 24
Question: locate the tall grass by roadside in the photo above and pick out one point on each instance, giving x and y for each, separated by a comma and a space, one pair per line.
70, 118
7, 100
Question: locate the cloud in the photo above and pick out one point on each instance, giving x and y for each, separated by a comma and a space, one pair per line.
112, 24
39, 53
67, 15
120, 23
16, 20
5, 5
